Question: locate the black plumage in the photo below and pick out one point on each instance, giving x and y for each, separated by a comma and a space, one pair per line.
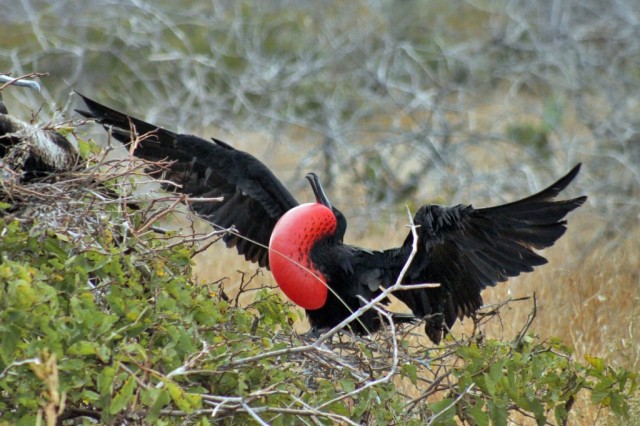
466, 249
461, 248
253, 198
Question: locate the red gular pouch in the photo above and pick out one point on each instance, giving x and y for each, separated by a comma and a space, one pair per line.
289, 253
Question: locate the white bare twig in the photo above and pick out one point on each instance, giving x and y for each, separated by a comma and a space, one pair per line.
433, 418
18, 363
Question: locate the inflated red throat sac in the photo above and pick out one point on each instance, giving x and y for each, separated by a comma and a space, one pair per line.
289, 253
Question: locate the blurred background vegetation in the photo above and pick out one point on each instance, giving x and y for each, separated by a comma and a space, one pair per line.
410, 100
393, 103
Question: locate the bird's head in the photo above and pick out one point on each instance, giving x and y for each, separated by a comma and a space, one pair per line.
5, 80
321, 198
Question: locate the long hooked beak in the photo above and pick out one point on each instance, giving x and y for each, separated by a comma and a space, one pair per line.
321, 197
4, 79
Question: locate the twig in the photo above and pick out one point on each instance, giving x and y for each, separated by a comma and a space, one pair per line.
253, 414
530, 318
386, 378
184, 368
18, 363
433, 418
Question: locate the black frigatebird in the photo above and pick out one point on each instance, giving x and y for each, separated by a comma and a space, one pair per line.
36, 150
462, 248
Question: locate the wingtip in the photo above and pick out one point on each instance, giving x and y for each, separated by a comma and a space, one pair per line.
574, 172
564, 181
557, 187
87, 101
85, 114
84, 98
580, 200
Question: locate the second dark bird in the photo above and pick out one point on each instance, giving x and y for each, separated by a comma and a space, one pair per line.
32, 150
462, 248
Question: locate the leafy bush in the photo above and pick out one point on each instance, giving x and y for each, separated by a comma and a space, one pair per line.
100, 320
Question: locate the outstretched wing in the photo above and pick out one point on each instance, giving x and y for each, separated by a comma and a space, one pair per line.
466, 249
253, 197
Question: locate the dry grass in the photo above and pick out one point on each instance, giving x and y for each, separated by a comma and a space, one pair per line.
591, 303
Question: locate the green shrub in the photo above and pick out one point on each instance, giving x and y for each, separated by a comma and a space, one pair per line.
99, 319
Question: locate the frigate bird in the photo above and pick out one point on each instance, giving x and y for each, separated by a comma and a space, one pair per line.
461, 248
29, 148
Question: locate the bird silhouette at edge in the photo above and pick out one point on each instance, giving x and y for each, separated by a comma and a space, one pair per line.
462, 248
35, 151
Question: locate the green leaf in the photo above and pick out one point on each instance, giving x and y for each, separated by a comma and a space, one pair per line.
157, 399
478, 414
340, 408
83, 348
444, 411
489, 384
28, 420
88, 396
560, 413
595, 362
602, 390
348, 385
410, 371
185, 401
123, 397
498, 412
105, 380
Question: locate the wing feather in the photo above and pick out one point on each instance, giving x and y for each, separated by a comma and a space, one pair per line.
253, 197
466, 249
